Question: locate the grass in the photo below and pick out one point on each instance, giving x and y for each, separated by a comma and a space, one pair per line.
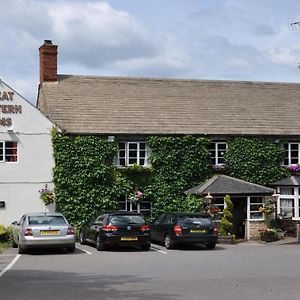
4, 246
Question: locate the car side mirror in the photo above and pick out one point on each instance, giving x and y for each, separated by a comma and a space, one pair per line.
15, 223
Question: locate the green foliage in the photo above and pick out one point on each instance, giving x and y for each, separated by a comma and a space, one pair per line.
85, 180
5, 233
226, 224
255, 160
178, 164
192, 203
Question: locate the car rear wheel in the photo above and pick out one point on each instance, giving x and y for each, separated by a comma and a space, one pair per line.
99, 244
146, 247
71, 249
21, 250
211, 246
81, 238
169, 244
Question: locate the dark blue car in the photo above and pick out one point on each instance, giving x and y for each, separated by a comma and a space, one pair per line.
184, 228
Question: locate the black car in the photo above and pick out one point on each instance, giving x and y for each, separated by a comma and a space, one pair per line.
116, 229
184, 228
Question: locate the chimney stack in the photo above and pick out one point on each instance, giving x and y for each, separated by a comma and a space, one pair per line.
48, 62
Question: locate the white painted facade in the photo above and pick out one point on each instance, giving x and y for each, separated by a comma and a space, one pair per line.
21, 180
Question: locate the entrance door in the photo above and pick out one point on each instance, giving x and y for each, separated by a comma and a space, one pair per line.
239, 216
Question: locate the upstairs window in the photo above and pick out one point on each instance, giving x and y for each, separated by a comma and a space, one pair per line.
291, 154
217, 152
133, 153
8, 151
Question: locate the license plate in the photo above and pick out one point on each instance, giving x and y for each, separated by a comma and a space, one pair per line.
129, 238
197, 230
49, 232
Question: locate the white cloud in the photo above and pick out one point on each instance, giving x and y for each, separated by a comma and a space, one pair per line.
285, 56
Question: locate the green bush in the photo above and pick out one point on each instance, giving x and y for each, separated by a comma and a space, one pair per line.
5, 233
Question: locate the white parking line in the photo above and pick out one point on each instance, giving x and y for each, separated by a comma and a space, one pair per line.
10, 265
158, 250
87, 252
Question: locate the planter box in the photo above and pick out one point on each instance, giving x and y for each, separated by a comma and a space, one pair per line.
227, 239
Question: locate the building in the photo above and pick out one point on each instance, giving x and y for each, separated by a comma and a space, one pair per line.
25, 156
129, 110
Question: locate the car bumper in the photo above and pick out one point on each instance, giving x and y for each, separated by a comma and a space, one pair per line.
195, 240
117, 241
30, 242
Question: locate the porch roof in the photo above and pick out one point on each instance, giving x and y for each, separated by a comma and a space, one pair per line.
223, 185
288, 181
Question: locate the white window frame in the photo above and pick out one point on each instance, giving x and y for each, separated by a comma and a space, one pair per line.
257, 201
216, 159
288, 157
5, 155
138, 158
295, 197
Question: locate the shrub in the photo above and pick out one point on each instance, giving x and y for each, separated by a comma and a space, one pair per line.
226, 224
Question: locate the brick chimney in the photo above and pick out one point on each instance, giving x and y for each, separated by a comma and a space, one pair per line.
48, 62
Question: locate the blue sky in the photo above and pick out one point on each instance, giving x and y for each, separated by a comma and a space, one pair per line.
199, 39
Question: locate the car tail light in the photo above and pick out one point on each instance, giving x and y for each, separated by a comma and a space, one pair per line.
145, 228
177, 230
215, 230
28, 232
110, 228
70, 231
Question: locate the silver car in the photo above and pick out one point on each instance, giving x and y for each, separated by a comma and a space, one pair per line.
37, 230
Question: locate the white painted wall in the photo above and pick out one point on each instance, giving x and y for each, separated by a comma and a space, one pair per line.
20, 181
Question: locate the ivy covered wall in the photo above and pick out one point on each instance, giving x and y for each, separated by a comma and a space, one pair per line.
255, 160
86, 181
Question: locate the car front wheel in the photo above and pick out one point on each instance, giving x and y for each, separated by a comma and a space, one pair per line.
169, 244
81, 238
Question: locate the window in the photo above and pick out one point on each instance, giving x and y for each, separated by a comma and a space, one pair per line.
8, 151
255, 204
287, 207
143, 207
217, 152
291, 154
133, 153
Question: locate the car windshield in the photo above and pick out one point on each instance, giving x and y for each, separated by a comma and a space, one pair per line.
126, 219
185, 220
46, 220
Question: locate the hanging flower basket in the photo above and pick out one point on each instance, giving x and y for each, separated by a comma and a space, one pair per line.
46, 195
135, 197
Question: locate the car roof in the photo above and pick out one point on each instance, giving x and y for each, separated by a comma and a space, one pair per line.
196, 214
42, 214
122, 213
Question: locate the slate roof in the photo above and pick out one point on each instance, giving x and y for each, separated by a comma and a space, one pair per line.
288, 181
115, 105
223, 185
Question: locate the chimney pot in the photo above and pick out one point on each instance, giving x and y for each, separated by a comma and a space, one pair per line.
48, 42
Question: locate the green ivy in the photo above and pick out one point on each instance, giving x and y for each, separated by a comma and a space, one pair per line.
178, 163
255, 160
84, 177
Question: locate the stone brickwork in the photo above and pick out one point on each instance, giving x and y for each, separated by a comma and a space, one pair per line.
254, 227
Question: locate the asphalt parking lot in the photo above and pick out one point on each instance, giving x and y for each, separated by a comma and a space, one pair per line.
243, 271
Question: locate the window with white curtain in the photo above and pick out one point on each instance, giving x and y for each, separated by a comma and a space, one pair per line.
287, 208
